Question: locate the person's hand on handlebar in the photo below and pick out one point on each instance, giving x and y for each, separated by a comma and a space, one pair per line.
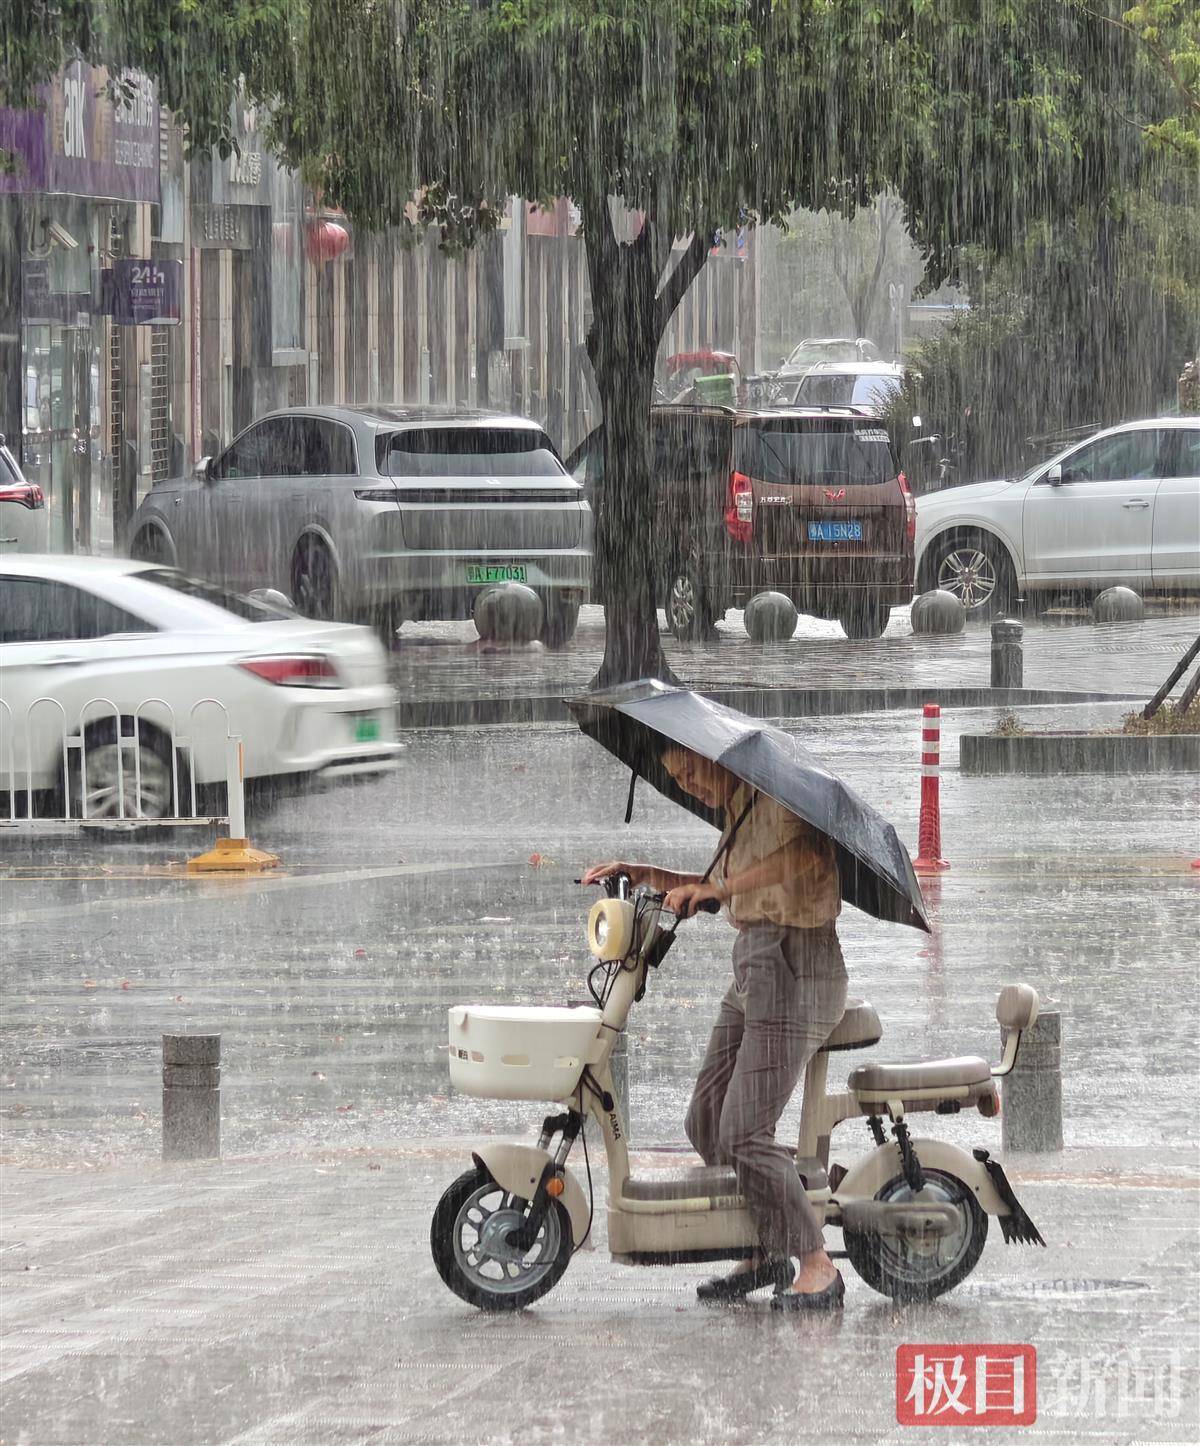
687, 899
638, 873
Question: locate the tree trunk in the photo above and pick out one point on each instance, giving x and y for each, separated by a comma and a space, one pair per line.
629, 315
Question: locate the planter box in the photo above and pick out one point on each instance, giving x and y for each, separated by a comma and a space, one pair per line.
1053, 753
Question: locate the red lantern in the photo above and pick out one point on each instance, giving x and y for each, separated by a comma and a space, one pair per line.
325, 240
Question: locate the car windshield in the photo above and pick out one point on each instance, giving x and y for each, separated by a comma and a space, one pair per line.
791, 456
469, 452
251, 610
871, 389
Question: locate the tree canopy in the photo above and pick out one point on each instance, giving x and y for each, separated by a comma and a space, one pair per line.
986, 118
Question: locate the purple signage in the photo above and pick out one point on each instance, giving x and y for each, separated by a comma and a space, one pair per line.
142, 293
81, 143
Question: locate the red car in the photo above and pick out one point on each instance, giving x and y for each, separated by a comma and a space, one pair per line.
808, 502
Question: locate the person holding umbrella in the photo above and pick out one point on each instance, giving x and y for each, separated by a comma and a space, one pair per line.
777, 877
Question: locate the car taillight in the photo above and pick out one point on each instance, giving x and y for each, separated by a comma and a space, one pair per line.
305, 672
739, 514
27, 494
910, 507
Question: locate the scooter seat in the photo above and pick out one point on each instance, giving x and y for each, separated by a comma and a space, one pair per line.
895, 1081
858, 1027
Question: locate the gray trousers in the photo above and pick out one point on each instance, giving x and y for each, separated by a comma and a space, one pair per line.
788, 993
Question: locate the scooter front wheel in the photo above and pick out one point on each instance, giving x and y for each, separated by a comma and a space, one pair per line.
909, 1271
468, 1238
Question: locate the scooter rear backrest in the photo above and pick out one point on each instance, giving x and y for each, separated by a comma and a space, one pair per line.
1017, 1006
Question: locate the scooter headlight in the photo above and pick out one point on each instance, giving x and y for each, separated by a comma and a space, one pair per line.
610, 928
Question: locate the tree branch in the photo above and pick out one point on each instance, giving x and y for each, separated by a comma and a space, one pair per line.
674, 288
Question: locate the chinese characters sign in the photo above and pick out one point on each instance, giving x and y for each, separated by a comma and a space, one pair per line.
966, 1385
82, 142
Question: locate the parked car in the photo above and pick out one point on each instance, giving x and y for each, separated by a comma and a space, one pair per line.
869, 384
1121, 508
23, 516
380, 514
100, 637
809, 503
814, 349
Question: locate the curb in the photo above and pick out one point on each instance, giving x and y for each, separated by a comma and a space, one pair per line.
1058, 753
757, 702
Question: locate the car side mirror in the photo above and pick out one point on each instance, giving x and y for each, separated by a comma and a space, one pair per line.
1055, 475
203, 470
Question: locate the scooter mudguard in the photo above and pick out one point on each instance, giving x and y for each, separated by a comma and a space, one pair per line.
518, 1168
982, 1174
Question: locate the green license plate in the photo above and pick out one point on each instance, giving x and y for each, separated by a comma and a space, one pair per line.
512, 573
366, 729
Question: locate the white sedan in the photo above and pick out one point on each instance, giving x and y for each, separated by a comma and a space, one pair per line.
184, 666
1121, 508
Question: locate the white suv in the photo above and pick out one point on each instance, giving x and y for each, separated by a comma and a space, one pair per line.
1122, 508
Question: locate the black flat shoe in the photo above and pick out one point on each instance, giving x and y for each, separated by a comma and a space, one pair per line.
833, 1297
776, 1271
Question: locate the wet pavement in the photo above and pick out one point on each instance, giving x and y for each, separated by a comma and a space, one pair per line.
287, 1294
447, 662
291, 1300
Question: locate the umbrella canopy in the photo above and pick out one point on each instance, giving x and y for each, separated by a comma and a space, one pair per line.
636, 721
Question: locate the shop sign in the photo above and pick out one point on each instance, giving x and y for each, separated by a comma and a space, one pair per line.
139, 292
243, 178
80, 142
227, 228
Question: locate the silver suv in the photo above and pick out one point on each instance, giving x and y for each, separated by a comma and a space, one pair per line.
380, 514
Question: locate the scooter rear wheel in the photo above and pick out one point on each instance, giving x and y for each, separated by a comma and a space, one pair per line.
919, 1273
467, 1238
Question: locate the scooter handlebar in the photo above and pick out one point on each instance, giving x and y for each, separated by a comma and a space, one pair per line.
617, 886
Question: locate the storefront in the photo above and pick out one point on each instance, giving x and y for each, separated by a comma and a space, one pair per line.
84, 165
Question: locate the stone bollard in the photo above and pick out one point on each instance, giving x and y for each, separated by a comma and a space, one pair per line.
938, 612
191, 1099
770, 617
1007, 662
1118, 605
1031, 1118
508, 612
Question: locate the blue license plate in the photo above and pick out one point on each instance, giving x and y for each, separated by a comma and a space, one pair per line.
835, 532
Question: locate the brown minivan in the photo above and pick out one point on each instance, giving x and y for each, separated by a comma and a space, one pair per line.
806, 501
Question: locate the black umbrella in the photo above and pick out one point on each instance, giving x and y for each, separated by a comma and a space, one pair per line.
635, 721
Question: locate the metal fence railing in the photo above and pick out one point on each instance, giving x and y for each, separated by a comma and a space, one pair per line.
106, 767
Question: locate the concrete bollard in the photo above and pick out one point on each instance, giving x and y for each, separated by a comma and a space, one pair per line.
1007, 662
1031, 1117
770, 617
191, 1098
1118, 605
508, 612
938, 612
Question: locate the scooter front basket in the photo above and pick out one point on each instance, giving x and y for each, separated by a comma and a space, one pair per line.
515, 1052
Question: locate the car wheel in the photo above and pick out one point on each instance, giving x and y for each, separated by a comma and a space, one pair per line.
559, 621
314, 581
865, 619
153, 545
117, 781
977, 569
688, 606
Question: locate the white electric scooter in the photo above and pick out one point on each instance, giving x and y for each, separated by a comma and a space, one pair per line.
914, 1212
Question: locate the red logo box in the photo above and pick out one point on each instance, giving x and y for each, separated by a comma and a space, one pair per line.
940, 1385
